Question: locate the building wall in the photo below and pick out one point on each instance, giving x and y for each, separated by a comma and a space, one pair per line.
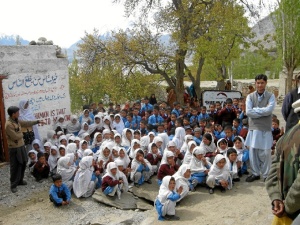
36, 74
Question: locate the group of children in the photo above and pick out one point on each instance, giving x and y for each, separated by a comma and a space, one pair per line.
185, 148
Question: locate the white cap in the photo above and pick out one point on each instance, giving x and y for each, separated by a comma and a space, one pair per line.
296, 106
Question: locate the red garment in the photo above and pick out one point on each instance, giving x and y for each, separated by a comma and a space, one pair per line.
108, 181
243, 133
165, 170
151, 159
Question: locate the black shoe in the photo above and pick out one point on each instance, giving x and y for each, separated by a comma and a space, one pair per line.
23, 182
211, 191
14, 190
236, 179
252, 178
240, 174
148, 181
246, 172
223, 190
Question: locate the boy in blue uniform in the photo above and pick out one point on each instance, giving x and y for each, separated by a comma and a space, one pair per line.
59, 192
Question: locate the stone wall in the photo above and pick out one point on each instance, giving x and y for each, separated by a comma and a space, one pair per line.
36, 74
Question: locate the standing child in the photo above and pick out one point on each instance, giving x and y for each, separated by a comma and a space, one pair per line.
165, 202
41, 168
112, 182
219, 175
59, 193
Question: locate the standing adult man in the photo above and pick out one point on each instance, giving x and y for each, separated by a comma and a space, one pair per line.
283, 182
287, 110
16, 146
259, 107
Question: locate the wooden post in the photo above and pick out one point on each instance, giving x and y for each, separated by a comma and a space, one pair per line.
2, 119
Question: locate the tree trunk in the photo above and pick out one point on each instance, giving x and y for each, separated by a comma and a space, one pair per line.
289, 80
221, 78
179, 79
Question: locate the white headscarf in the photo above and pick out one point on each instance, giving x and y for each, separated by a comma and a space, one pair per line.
80, 151
88, 152
71, 148
164, 190
181, 181
219, 174
223, 152
189, 155
197, 165
110, 166
52, 160
165, 139
29, 159
150, 150
125, 160
37, 141
62, 137
50, 139
240, 151
101, 155
117, 135
65, 169
145, 140
105, 126
131, 153
118, 126
125, 142
27, 115
167, 154
71, 127
82, 130
83, 176
122, 175
184, 147
209, 148
95, 143
179, 137
59, 124
135, 164
85, 119
95, 125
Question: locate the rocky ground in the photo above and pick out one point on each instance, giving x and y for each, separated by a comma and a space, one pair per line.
246, 203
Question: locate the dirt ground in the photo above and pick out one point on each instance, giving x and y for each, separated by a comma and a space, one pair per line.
245, 204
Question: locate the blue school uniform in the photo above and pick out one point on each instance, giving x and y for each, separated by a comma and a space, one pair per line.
193, 119
203, 116
99, 181
200, 176
153, 120
132, 123
137, 120
197, 140
140, 169
159, 206
175, 111
147, 107
55, 192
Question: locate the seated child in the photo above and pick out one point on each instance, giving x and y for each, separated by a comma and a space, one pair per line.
52, 160
115, 152
188, 155
167, 167
97, 141
84, 182
233, 165
222, 146
117, 139
66, 170
62, 150
71, 148
59, 193
184, 147
127, 136
126, 161
119, 164
154, 157
135, 144
104, 157
62, 140
37, 146
242, 154
41, 168
182, 177
165, 201
209, 146
112, 182
82, 146
47, 147
219, 175
141, 169
32, 159
199, 167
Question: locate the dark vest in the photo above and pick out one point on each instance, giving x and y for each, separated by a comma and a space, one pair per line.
292, 118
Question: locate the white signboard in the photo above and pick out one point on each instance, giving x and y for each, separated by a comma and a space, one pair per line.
47, 93
212, 96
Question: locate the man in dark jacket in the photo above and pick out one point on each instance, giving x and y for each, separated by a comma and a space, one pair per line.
287, 111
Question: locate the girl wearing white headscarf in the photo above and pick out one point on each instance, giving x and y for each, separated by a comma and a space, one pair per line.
159, 142
127, 136
171, 146
97, 141
63, 140
165, 142
37, 146
141, 169
84, 129
179, 137
111, 182
122, 176
222, 146
83, 185
154, 157
97, 126
219, 175
86, 117
189, 154
52, 160
209, 146
118, 123
26, 114
125, 159
232, 164
60, 122
187, 139
242, 152
105, 156
83, 145
135, 144
66, 170
71, 148
73, 126
118, 139
167, 166
199, 166
32, 159
182, 177
51, 137
107, 124
165, 201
